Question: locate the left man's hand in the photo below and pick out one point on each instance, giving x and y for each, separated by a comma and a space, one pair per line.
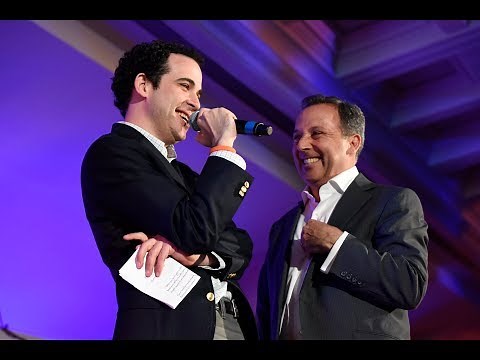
158, 249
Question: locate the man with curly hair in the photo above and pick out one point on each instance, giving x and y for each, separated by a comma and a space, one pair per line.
133, 184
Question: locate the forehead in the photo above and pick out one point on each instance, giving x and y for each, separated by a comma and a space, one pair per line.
182, 66
319, 115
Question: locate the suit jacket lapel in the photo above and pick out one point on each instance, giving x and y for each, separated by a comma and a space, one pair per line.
129, 132
351, 202
348, 206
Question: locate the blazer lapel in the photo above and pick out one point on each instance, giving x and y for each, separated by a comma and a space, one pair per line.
129, 132
351, 202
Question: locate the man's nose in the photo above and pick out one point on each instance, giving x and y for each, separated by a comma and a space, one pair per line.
303, 143
194, 102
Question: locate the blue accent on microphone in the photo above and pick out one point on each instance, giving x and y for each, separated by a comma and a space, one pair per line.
250, 127
242, 126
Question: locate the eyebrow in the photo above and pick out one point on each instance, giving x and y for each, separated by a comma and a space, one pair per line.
296, 133
191, 82
311, 128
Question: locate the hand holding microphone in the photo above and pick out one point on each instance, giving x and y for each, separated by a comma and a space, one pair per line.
243, 126
214, 126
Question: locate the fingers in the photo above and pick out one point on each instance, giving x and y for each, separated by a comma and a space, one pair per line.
136, 236
216, 125
160, 261
302, 244
142, 251
152, 258
172, 248
154, 253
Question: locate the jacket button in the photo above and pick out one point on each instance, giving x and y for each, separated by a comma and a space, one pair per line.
247, 184
210, 296
241, 193
343, 273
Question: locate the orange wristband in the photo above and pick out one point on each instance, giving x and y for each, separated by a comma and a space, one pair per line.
222, 147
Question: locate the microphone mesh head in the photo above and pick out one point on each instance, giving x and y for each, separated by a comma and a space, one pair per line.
193, 121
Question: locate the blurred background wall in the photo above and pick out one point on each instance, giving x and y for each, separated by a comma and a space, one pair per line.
417, 82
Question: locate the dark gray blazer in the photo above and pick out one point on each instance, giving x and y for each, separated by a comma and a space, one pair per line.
379, 273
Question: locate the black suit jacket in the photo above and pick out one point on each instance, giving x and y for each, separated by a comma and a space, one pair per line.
128, 186
379, 273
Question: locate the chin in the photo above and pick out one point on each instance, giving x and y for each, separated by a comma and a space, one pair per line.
181, 136
311, 177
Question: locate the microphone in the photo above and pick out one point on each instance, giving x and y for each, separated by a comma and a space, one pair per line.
243, 126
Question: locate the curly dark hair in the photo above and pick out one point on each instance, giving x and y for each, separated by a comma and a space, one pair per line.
352, 119
149, 58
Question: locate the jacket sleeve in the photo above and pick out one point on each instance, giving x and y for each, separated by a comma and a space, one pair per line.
129, 188
235, 247
390, 268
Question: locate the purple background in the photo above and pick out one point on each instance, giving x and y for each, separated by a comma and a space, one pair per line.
54, 103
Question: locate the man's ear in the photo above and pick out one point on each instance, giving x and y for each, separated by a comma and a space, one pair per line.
140, 84
354, 144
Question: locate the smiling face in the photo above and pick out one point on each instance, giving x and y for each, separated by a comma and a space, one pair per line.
320, 150
177, 96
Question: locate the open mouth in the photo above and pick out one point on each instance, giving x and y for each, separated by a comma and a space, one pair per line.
310, 160
184, 118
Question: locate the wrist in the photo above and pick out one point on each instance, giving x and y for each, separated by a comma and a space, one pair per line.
212, 261
222, 147
202, 260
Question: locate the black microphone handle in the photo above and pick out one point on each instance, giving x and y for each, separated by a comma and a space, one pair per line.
242, 126
252, 128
